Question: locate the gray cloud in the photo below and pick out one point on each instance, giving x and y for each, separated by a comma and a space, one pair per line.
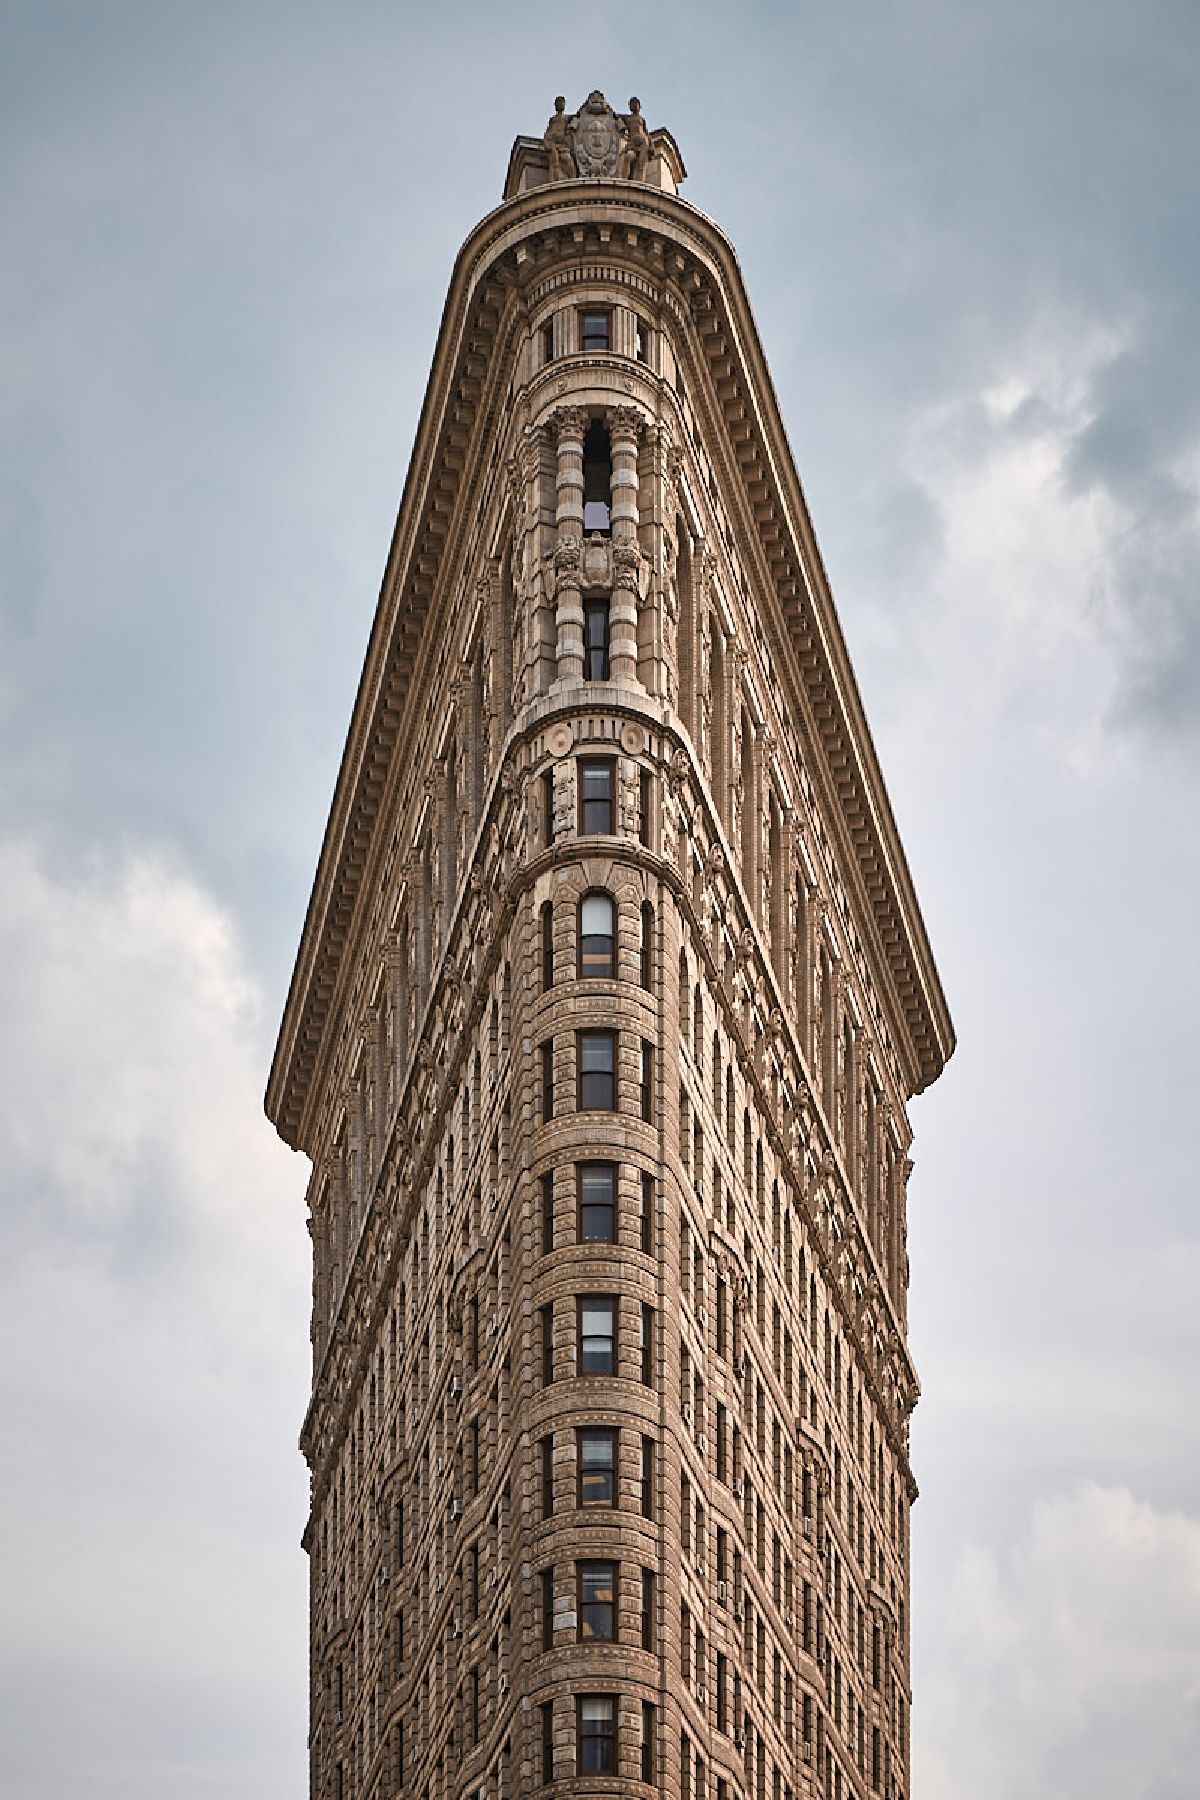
970, 237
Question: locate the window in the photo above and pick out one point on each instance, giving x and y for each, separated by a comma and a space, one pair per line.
597, 1334
646, 1222
547, 1186
597, 1058
647, 1741
597, 1600
597, 1203
547, 1081
647, 1475
595, 796
597, 936
641, 340
595, 638
597, 1734
547, 1476
645, 790
547, 1712
547, 945
547, 1318
594, 327
548, 342
548, 808
647, 1345
548, 1609
646, 1084
647, 1609
597, 1466
646, 947
597, 480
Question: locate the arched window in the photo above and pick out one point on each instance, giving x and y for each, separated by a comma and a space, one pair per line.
597, 935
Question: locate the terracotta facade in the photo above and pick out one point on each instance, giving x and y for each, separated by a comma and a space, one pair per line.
611, 996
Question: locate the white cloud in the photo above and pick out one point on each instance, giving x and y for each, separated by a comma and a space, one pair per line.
153, 1299
1068, 1665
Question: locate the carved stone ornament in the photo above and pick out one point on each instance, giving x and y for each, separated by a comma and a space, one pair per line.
597, 137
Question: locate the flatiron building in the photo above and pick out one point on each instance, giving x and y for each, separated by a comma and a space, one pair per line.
612, 993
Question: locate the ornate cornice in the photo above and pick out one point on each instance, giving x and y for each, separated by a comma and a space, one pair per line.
700, 285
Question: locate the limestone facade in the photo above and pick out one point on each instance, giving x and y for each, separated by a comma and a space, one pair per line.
611, 996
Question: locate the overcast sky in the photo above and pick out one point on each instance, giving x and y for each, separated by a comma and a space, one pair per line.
970, 235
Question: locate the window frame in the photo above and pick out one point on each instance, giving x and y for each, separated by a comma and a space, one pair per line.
582, 938
595, 312
597, 1301
609, 1763
593, 1563
590, 1036
597, 657
611, 1434
595, 766
582, 1169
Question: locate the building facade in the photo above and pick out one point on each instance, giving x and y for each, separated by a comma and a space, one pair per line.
611, 996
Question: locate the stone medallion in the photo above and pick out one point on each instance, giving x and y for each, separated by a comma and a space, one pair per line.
597, 137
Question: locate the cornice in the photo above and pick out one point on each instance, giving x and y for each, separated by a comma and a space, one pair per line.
696, 266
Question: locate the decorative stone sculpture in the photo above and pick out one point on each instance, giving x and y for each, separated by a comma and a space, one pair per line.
597, 137
557, 138
635, 150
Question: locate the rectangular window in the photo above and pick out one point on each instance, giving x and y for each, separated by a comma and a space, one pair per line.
547, 1711
547, 1184
594, 331
547, 1476
596, 1601
597, 1334
597, 1202
722, 1693
547, 1053
547, 1319
641, 340
597, 1452
596, 1063
645, 790
548, 808
647, 1473
595, 796
597, 1734
647, 1741
547, 945
648, 1609
595, 638
647, 1345
646, 1222
646, 948
646, 1086
548, 1609
548, 342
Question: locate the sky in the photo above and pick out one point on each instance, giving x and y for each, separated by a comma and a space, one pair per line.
970, 237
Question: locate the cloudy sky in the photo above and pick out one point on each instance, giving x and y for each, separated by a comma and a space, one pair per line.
970, 234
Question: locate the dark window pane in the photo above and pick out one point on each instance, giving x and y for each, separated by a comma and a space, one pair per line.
597, 1060
594, 331
597, 1600
597, 1467
595, 631
596, 797
597, 1202
597, 1319
597, 1734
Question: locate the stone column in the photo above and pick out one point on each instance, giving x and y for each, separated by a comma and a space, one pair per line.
568, 549
624, 428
